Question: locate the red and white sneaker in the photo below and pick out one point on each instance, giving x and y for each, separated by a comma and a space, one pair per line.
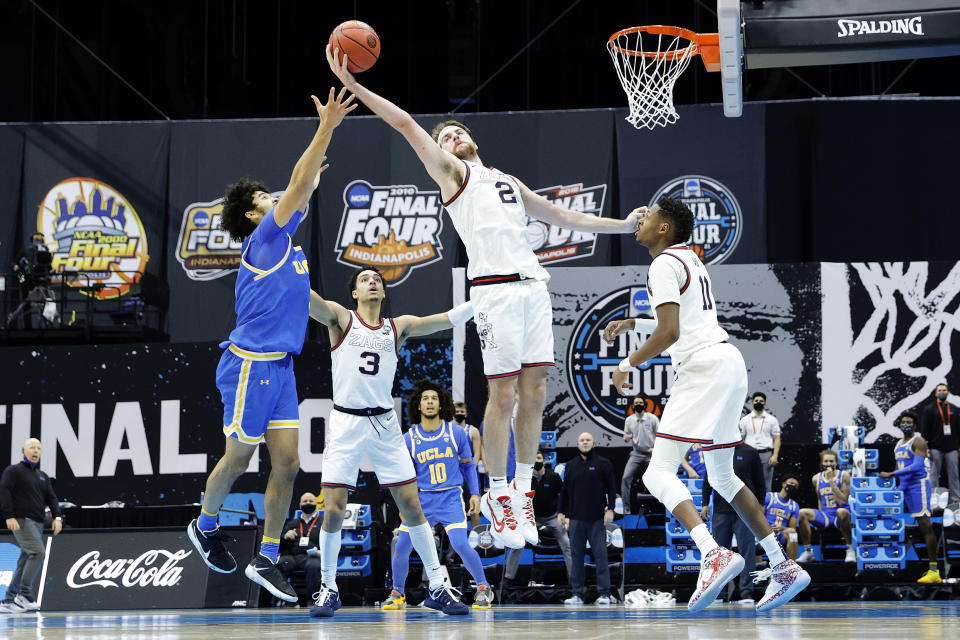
522, 504
787, 579
717, 568
503, 524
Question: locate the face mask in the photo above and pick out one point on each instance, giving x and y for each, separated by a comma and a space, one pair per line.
308, 508
942, 396
638, 409
791, 490
459, 417
537, 466
758, 406
907, 430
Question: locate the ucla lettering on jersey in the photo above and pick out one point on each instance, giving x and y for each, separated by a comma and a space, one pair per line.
489, 215
436, 456
828, 502
364, 363
779, 512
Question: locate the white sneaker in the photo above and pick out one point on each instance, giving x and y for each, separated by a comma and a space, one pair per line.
717, 568
851, 555
11, 607
503, 524
806, 556
787, 579
602, 601
522, 504
573, 601
25, 604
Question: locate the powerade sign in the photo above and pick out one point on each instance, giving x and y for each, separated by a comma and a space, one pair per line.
718, 219
591, 361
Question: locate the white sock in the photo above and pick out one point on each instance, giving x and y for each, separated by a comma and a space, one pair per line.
498, 486
422, 538
704, 540
523, 477
329, 556
773, 550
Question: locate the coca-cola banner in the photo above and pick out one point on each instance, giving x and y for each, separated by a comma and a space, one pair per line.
141, 569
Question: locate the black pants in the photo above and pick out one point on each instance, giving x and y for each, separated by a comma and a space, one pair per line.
727, 524
596, 533
302, 562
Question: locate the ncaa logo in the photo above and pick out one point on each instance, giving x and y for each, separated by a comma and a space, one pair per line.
717, 215
591, 361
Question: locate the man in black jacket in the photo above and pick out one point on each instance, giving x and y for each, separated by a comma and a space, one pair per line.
940, 427
25, 491
586, 504
547, 485
747, 466
300, 543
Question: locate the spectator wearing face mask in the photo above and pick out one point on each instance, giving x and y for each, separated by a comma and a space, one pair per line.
761, 430
639, 430
783, 512
300, 543
832, 487
939, 425
461, 419
911, 474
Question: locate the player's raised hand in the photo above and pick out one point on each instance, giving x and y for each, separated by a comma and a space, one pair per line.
615, 328
332, 113
620, 382
338, 64
633, 219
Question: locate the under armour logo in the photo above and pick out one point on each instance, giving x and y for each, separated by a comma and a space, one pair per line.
264, 382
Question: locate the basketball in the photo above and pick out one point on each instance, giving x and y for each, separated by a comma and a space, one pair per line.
359, 41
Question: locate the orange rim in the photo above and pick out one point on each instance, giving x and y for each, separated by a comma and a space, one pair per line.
697, 41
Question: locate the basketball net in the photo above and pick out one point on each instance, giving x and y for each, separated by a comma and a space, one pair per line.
648, 61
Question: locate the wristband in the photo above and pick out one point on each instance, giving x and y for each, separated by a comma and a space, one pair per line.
625, 365
460, 313
644, 325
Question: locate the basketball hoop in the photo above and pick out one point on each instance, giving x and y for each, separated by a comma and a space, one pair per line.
649, 60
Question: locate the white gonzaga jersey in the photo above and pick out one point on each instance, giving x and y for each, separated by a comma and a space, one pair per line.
488, 213
677, 275
364, 364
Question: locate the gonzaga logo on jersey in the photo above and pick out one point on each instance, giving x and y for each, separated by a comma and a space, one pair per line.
92, 228
395, 228
556, 244
591, 362
718, 219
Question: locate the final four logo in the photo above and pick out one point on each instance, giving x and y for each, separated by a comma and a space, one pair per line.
591, 362
718, 220
91, 228
555, 244
395, 228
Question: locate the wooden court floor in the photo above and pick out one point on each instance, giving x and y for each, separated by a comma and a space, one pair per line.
836, 621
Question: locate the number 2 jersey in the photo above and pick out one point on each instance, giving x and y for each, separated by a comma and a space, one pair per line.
364, 364
677, 275
441, 457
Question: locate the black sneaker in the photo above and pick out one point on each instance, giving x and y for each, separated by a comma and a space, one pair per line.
266, 574
211, 549
445, 600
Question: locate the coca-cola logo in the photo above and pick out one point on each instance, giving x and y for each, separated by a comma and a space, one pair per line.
146, 570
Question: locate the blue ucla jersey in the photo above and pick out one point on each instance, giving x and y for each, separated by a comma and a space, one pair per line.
904, 455
779, 511
273, 302
828, 501
697, 461
437, 454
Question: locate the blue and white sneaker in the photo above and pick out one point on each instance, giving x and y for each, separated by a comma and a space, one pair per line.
326, 601
211, 549
446, 599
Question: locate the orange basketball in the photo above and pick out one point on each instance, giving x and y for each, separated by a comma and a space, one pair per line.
359, 41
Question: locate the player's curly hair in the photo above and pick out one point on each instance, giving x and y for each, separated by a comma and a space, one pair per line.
909, 414
679, 216
449, 123
237, 200
413, 400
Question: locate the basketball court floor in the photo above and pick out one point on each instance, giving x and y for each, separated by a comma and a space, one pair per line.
873, 620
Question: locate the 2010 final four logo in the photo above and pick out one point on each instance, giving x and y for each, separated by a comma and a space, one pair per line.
718, 219
556, 244
395, 228
91, 228
591, 361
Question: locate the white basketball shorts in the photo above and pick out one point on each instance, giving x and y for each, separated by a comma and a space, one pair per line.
515, 324
348, 437
707, 399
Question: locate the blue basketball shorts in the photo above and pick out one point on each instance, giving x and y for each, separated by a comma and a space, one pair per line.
916, 497
443, 507
257, 394
825, 519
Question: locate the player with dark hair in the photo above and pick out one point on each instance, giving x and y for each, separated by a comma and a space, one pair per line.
443, 459
913, 479
489, 209
365, 350
255, 374
783, 512
704, 407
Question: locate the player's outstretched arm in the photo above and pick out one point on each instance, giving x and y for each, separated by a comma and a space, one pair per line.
542, 209
413, 326
328, 313
666, 333
444, 167
306, 173
616, 327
